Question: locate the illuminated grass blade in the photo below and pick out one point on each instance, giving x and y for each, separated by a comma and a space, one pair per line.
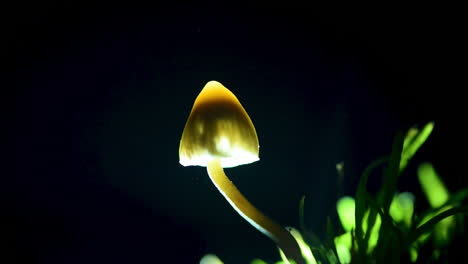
413, 141
387, 248
410, 135
210, 259
429, 225
371, 224
258, 261
392, 172
432, 185
454, 200
310, 239
305, 248
458, 197
343, 244
301, 214
346, 208
331, 237
386, 219
361, 206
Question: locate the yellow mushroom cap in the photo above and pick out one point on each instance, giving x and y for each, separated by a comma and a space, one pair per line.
218, 127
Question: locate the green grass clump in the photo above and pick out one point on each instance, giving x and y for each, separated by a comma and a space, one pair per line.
384, 227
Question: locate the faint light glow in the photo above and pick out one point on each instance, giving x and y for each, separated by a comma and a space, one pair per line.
432, 186
340, 168
346, 208
210, 259
223, 145
200, 127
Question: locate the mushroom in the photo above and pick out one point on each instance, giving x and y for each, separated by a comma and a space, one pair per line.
219, 134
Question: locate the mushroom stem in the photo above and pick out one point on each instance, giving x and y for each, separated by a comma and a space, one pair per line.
261, 222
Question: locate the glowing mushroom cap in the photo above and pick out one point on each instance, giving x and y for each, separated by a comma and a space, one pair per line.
218, 128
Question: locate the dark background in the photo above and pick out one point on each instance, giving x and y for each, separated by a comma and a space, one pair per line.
102, 93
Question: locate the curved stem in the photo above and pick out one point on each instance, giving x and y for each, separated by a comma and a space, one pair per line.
261, 222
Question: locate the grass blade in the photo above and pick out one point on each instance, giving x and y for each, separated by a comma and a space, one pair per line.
331, 237
301, 214
392, 172
361, 205
413, 141
429, 225
432, 185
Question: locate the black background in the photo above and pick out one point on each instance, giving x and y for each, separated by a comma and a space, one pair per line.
102, 92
